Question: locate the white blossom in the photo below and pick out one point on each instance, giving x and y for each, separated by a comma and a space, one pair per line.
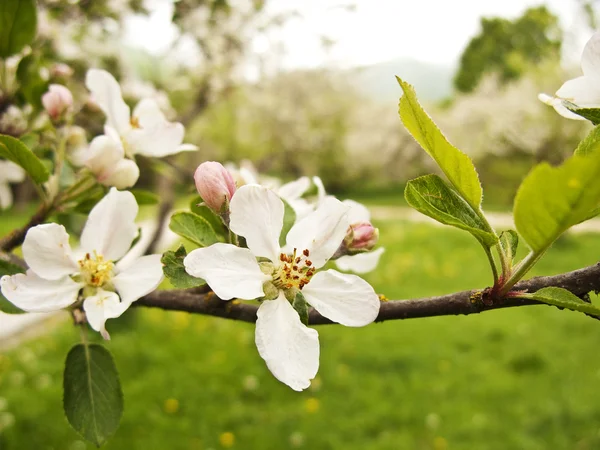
9, 173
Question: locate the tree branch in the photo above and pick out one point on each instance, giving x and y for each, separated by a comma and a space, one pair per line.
197, 301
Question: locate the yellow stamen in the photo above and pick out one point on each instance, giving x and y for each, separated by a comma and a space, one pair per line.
95, 270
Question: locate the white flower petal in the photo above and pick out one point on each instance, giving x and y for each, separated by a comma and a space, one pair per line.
110, 227
556, 103
156, 141
321, 232
102, 306
106, 93
140, 278
294, 189
230, 271
582, 91
343, 298
11, 172
6, 197
358, 212
360, 263
321, 193
257, 214
148, 114
47, 251
187, 148
590, 59
102, 155
290, 349
124, 175
34, 294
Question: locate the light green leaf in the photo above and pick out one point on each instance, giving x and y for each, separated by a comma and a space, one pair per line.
552, 199
8, 268
431, 196
457, 166
197, 207
509, 240
193, 227
301, 307
15, 151
589, 143
93, 400
143, 197
564, 299
18, 23
289, 218
174, 270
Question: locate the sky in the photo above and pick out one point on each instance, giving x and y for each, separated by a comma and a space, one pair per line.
434, 31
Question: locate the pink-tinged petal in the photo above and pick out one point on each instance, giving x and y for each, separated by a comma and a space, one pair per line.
582, 91
156, 141
101, 307
106, 92
343, 298
124, 175
34, 294
294, 189
590, 59
230, 271
110, 227
357, 213
290, 349
257, 214
140, 278
360, 263
321, 232
47, 251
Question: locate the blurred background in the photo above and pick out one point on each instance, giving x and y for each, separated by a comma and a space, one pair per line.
308, 88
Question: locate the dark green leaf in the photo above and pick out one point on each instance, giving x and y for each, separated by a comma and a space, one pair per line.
18, 22
457, 166
301, 307
15, 151
174, 270
289, 218
93, 400
193, 227
591, 114
431, 196
8, 268
145, 197
31, 84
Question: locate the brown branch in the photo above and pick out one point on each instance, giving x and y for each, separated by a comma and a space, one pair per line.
579, 282
16, 237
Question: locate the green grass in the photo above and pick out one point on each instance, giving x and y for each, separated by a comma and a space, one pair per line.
523, 378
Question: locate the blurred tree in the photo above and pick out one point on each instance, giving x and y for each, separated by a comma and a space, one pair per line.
506, 47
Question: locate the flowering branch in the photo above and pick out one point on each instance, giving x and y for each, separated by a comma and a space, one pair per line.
198, 301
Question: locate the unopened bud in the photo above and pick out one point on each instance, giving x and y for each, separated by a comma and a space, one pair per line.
61, 70
57, 100
215, 184
362, 236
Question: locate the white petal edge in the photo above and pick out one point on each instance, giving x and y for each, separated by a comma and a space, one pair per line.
106, 93
343, 298
321, 232
110, 227
34, 294
101, 307
590, 58
230, 271
140, 278
124, 175
582, 91
357, 213
157, 141
47, 251
6, 197
290, 349
360, 263
257, 214
556, 103
294, 189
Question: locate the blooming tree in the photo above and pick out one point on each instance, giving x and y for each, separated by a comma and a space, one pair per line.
250, 238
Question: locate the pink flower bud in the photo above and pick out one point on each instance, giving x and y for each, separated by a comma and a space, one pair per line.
361, 236
61, 70
57, 100
215, 184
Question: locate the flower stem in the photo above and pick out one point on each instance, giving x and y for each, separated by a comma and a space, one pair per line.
524, 266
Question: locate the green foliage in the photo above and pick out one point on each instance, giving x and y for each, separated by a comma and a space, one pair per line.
7, 268
431, 196
508, 47
18, 22
564, 299
289, 218
174, 270
197, 207
589, 144
301, 307
15, 151
143, 197
591, 114
457, 166
31, 84
509, 240
194, 228
553, 199
93, 400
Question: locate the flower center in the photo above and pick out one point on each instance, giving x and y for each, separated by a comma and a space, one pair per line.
295, 271
94, 270
134, 122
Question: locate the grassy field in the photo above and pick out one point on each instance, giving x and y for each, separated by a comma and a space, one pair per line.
525, 378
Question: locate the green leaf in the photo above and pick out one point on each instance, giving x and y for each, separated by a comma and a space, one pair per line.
143, 197
457, 166
564, 299
289, 218
591, 114
18, 22
197, 207
15, 151
8, 268
432, 196
174, 270
509, 240
93, 400
31, 84
552, 199
193, 227
589, 143
301, 307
